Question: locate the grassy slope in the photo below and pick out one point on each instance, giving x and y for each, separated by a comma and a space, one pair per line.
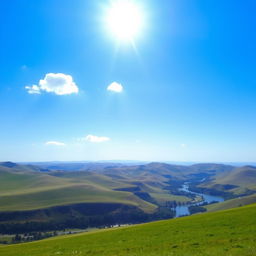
90, 177
243, 177
161, 198
68, 195
28, 190
237, 202
23, 187
71, 195
231, 232
20, 183
155, 190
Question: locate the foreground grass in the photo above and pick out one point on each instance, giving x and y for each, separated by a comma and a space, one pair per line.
231, 232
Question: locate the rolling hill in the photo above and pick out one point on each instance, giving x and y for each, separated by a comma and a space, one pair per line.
242, 176
147, 190
240, 181
25, 188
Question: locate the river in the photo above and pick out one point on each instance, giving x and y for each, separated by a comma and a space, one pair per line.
183, 209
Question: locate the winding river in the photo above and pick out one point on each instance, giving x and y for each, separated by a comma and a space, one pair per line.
183, 209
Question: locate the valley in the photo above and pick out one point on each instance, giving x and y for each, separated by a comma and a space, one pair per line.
36, 198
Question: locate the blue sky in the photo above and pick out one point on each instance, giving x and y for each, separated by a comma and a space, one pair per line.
188, 82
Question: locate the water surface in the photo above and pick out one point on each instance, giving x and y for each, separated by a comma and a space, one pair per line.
183, 209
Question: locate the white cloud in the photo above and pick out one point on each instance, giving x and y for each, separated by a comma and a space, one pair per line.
55, 143
115, 87
95, 139
34, 89
57, 83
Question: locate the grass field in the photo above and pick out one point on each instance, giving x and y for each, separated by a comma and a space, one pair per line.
231, 232
161, 198
70, 195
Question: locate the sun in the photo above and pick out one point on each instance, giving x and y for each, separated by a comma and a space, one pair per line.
124, 19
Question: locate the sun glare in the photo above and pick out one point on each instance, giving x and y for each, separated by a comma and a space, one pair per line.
124, 19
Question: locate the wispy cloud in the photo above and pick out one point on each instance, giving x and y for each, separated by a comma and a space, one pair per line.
115, 87
57, 83
95, 139
34, 89
55, 143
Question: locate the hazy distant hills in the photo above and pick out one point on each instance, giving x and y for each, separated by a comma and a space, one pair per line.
20, 167
76, 166
156, 167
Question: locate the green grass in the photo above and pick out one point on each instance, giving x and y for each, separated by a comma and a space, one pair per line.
70, 195
23, 182
242, 177
226, 233
29, 190
161, 198
90, 177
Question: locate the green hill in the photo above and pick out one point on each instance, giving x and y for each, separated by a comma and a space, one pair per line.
25, 188
70, 195
34, 200
243, 177
18, 180
231, 232
240, 181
